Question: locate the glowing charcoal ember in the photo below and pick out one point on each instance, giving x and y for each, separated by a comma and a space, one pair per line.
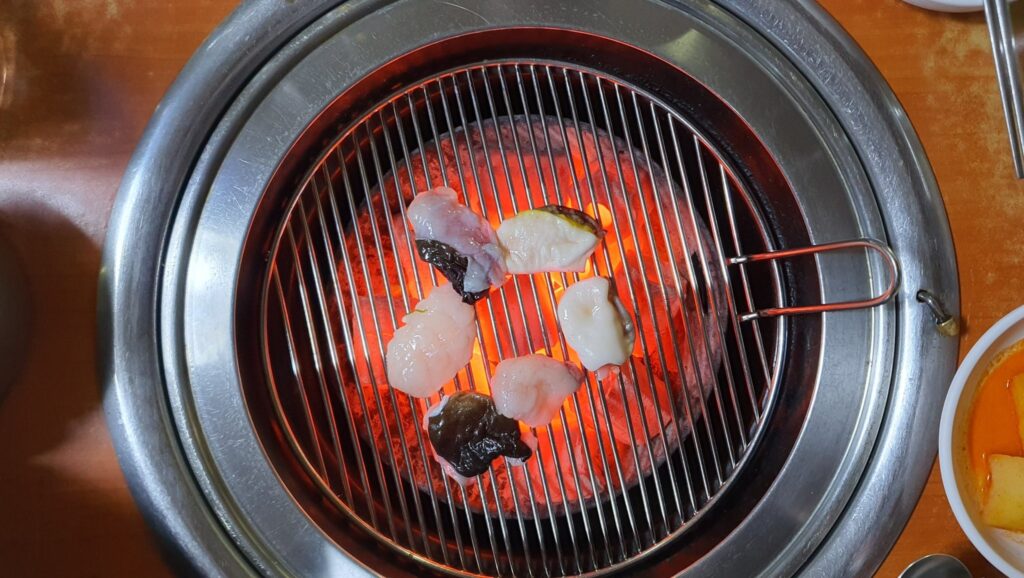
574, 450
433, 345
375, 319
626, 410
468, 433
550, 238
595, 323
459, 242
523, 321
532, 388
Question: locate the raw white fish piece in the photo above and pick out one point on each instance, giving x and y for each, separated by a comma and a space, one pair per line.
531, 388
549, 239
433, 345
437, 215
595, 324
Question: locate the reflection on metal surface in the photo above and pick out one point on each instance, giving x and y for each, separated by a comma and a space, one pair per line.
7, 61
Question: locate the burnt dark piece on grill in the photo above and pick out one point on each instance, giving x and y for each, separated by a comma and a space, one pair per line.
451, 264
468, 433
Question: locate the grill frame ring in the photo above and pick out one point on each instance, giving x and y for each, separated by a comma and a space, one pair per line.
288, 230
131, 282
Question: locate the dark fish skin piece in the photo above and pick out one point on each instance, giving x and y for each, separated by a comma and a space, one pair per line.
451, 264
469, 433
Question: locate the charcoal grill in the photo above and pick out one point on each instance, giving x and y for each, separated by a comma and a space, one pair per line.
278, 261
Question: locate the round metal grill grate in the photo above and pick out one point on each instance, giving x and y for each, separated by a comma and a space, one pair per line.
630, 461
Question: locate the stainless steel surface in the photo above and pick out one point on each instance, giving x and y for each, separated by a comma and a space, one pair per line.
871, 185
907, 193
936, 566
139, 417
1004, 48
891, 265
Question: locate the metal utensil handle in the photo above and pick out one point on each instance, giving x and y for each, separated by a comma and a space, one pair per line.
1000, 30
892, 267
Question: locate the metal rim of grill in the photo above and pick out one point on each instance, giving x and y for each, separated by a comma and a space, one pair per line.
311, 310
226, 495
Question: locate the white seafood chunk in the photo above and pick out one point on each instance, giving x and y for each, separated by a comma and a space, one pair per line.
595, 324
437, 215
531, 388
433, 345
549, 239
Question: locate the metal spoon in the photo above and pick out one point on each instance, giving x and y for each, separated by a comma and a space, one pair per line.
936, 566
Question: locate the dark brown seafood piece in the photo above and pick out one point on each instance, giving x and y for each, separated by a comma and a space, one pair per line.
451, 264
468, 433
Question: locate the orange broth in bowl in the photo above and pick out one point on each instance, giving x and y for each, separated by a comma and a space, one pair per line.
994, 424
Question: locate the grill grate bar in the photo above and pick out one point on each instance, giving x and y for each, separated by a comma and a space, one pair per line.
561, 200
592, 385
682, 288
314, 342
579, 199
426, 172
366, 357
639, 322
730, 304
346, 331
332, 346
411, 254
297, 370
394, 323
483, 204
396, 477
488, 306
414, 407
563, 347
715, 305
533, 287
660, 277
748, 298
549, 349
695, 361
703, 319
608, 267
687, 200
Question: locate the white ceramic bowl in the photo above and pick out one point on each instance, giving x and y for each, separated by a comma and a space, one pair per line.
1005, 550
949, 5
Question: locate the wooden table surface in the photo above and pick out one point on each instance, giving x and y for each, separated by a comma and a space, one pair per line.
88, 74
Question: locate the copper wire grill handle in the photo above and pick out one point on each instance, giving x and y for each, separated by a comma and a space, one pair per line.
892, 268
